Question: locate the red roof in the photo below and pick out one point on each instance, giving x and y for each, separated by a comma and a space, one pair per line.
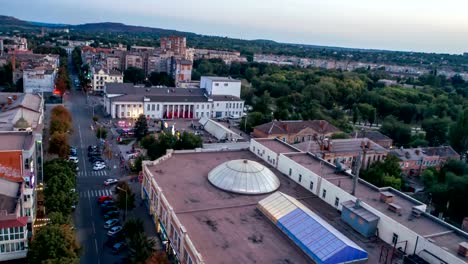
20, 221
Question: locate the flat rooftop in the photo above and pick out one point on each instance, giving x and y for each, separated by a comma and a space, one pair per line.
226, 227
276, 146
16, 140
424, 225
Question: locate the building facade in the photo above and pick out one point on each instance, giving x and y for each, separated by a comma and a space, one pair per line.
102, 76
39, 80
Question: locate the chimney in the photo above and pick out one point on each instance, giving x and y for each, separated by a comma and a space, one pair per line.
10, 100
417, 151
15, 97
369, 144
357, 204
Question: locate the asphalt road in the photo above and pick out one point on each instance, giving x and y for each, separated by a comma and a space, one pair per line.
87, 216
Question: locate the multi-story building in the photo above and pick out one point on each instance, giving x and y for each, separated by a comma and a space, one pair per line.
125, 100
295, 131
114, 62
176, 44
14, 43
207, 214
135, 60
345, 151
375, 136
227, 56
181, 70
26, 61
101, 76
413, 161
39, 80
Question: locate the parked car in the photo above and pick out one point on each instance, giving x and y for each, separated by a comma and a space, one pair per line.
73, 159
111, 241
118, 247
110, 181
73, 152
102, 199
111, 214
99, 167
91, 148
98, 163
94, 153
107, 209
114, 230
107, 203
93, 159
111, 223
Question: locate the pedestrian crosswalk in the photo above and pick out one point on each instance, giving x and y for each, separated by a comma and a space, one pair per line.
100, 173
95, 193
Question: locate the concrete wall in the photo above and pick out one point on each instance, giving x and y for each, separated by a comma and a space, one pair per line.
264, 153
228, 108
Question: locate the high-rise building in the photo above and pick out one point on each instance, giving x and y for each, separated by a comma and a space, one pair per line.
176, 44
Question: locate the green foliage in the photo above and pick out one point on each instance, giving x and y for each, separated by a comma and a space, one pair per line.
252, 120
54, 244
50, 50
161, 78
140, 247
141, 127
138, 164
398, 131
125, 196
57, 218
448, 188
458, 134
134, 75
101, 132
340, 135
60, 179
156, 147
58, 144
384, 173
436, 130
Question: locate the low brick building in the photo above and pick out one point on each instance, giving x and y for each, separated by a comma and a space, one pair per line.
413, 161
295, 131
375, 136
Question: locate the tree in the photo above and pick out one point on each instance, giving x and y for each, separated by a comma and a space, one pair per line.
161, 78
396, 130
458, 134
355, 115
134, 75
384, 173
56, 166
59, 194
59, 126
140, 248
141, 127
133, 226
157, 147
57, 218
158, 257
436, 130
54, 244
101, 132
125, 199
372, 116
58, 144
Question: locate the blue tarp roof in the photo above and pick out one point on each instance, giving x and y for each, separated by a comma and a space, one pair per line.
318, 239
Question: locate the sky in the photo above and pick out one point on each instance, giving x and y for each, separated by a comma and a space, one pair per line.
408, 25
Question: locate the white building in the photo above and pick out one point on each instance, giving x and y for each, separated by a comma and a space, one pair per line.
125, 100
39, 80
102, 76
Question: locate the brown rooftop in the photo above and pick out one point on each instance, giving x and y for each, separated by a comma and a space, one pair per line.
424, 226
295, 126
226, 227
344, 146
276, 146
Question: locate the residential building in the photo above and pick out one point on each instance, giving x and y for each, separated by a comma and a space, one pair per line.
227, 56
181, 70
125, 100
114, 62
39, 80
141, 48
176, 44
345, 151
100, 76
13, 221
11, 44
375, 136
413, 161
135, 60
295, 131
25, 61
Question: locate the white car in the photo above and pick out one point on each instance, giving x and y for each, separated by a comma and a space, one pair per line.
99, 167
110, 181
73, 159
114, 230
111, 223
99, 163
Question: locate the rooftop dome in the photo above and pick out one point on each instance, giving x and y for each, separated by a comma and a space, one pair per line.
244, 177
21, 124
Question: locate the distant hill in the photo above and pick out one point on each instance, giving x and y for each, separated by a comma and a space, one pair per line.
12, 23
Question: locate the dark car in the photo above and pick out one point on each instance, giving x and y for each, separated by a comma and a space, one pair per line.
107, 209
111, 214
111, 241
107, 203
119, 246
94, 153
92, 148
93, 159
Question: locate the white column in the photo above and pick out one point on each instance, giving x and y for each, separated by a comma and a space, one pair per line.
183, 111
178, 111
167, 110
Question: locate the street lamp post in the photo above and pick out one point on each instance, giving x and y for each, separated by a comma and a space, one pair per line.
126, 198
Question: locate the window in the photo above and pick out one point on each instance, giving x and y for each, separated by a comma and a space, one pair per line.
300, 177
290, 171
148, 107
324, 194
226, 105
128, 113
337, 201
253, 148
203, 107
216, 84
217, 104
311, 185
122, 114
225, 84
394, 239
157, 107
274, 162
198, 106
208, 106
153, 107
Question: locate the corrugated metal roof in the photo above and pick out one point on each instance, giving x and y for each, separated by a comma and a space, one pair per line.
318, 239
